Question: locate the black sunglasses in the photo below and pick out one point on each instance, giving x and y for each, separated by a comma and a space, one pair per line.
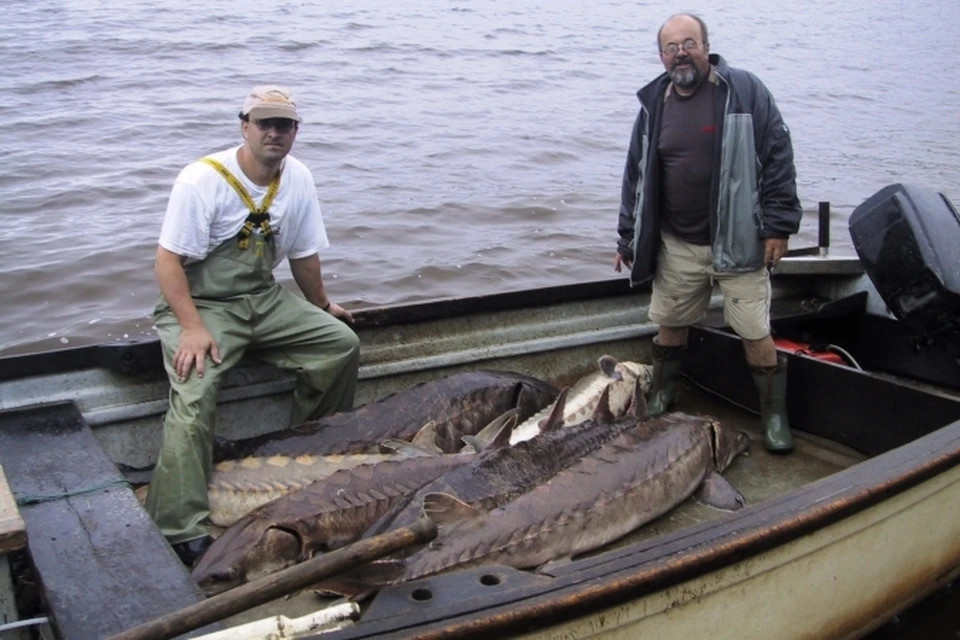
280, 125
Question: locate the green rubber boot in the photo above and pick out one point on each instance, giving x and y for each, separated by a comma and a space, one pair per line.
666, 370
771, 382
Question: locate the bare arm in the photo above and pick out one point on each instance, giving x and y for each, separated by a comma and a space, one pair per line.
309, 277
195, 339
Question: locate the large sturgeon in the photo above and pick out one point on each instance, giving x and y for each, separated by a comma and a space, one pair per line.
319, 517
500, 474
635, 477
459, 404
237, 487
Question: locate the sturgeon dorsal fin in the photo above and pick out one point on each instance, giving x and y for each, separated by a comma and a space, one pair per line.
495, 434
502, 439
555, 419
426, 437
602, 413
609, 366
408, 449
638, 406
445, 509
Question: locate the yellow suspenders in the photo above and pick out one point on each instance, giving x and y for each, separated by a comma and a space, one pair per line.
259, 215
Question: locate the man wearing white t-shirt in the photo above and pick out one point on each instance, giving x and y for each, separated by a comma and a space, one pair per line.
231, 218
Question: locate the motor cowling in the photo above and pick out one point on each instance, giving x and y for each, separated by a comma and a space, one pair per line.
908, 240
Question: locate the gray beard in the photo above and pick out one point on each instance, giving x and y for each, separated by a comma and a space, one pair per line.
686, 78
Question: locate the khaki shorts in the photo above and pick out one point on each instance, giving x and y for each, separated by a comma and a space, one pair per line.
684, 281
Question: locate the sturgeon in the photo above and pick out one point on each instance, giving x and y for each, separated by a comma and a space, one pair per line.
501, 474
237, 487
319, 517
619, 379
459, 404
634, 478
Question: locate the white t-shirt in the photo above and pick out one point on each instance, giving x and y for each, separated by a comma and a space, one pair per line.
204, 210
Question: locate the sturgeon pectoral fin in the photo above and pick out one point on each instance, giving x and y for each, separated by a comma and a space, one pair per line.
445, 509
549, 568
717, 492
361, 583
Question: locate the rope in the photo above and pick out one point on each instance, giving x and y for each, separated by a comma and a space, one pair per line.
53, 497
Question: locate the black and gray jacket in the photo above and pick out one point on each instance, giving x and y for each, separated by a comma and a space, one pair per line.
754, 190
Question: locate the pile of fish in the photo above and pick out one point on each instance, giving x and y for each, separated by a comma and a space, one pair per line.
642, 472
532, 483
469, 408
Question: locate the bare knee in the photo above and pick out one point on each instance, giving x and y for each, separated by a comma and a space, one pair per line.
760, 353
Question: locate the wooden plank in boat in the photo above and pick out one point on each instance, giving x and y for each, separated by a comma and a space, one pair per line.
103, 564
13, 533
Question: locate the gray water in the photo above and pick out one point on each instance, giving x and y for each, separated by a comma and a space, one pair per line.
459, 147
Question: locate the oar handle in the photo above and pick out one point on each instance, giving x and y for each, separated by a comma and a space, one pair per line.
282, 583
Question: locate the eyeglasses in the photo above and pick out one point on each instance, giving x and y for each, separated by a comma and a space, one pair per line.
673, 48
280, 125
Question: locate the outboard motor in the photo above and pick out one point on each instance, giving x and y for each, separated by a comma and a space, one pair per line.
908, 240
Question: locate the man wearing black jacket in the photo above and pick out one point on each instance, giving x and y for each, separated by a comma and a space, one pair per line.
709, 196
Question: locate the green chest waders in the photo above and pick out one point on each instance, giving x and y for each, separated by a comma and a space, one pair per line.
245, 309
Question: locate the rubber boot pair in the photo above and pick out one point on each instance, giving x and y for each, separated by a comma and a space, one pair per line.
771, 382
666, 371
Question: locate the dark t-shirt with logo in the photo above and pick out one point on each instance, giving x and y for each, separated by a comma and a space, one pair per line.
687, 135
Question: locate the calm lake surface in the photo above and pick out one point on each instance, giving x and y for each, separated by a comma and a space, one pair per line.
459, 147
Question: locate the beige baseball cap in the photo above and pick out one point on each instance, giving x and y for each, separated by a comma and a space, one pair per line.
270, 101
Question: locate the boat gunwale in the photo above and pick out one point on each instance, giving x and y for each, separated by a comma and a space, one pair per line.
621, 575
136, 355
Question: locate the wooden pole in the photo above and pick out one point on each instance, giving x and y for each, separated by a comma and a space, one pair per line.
281, 583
